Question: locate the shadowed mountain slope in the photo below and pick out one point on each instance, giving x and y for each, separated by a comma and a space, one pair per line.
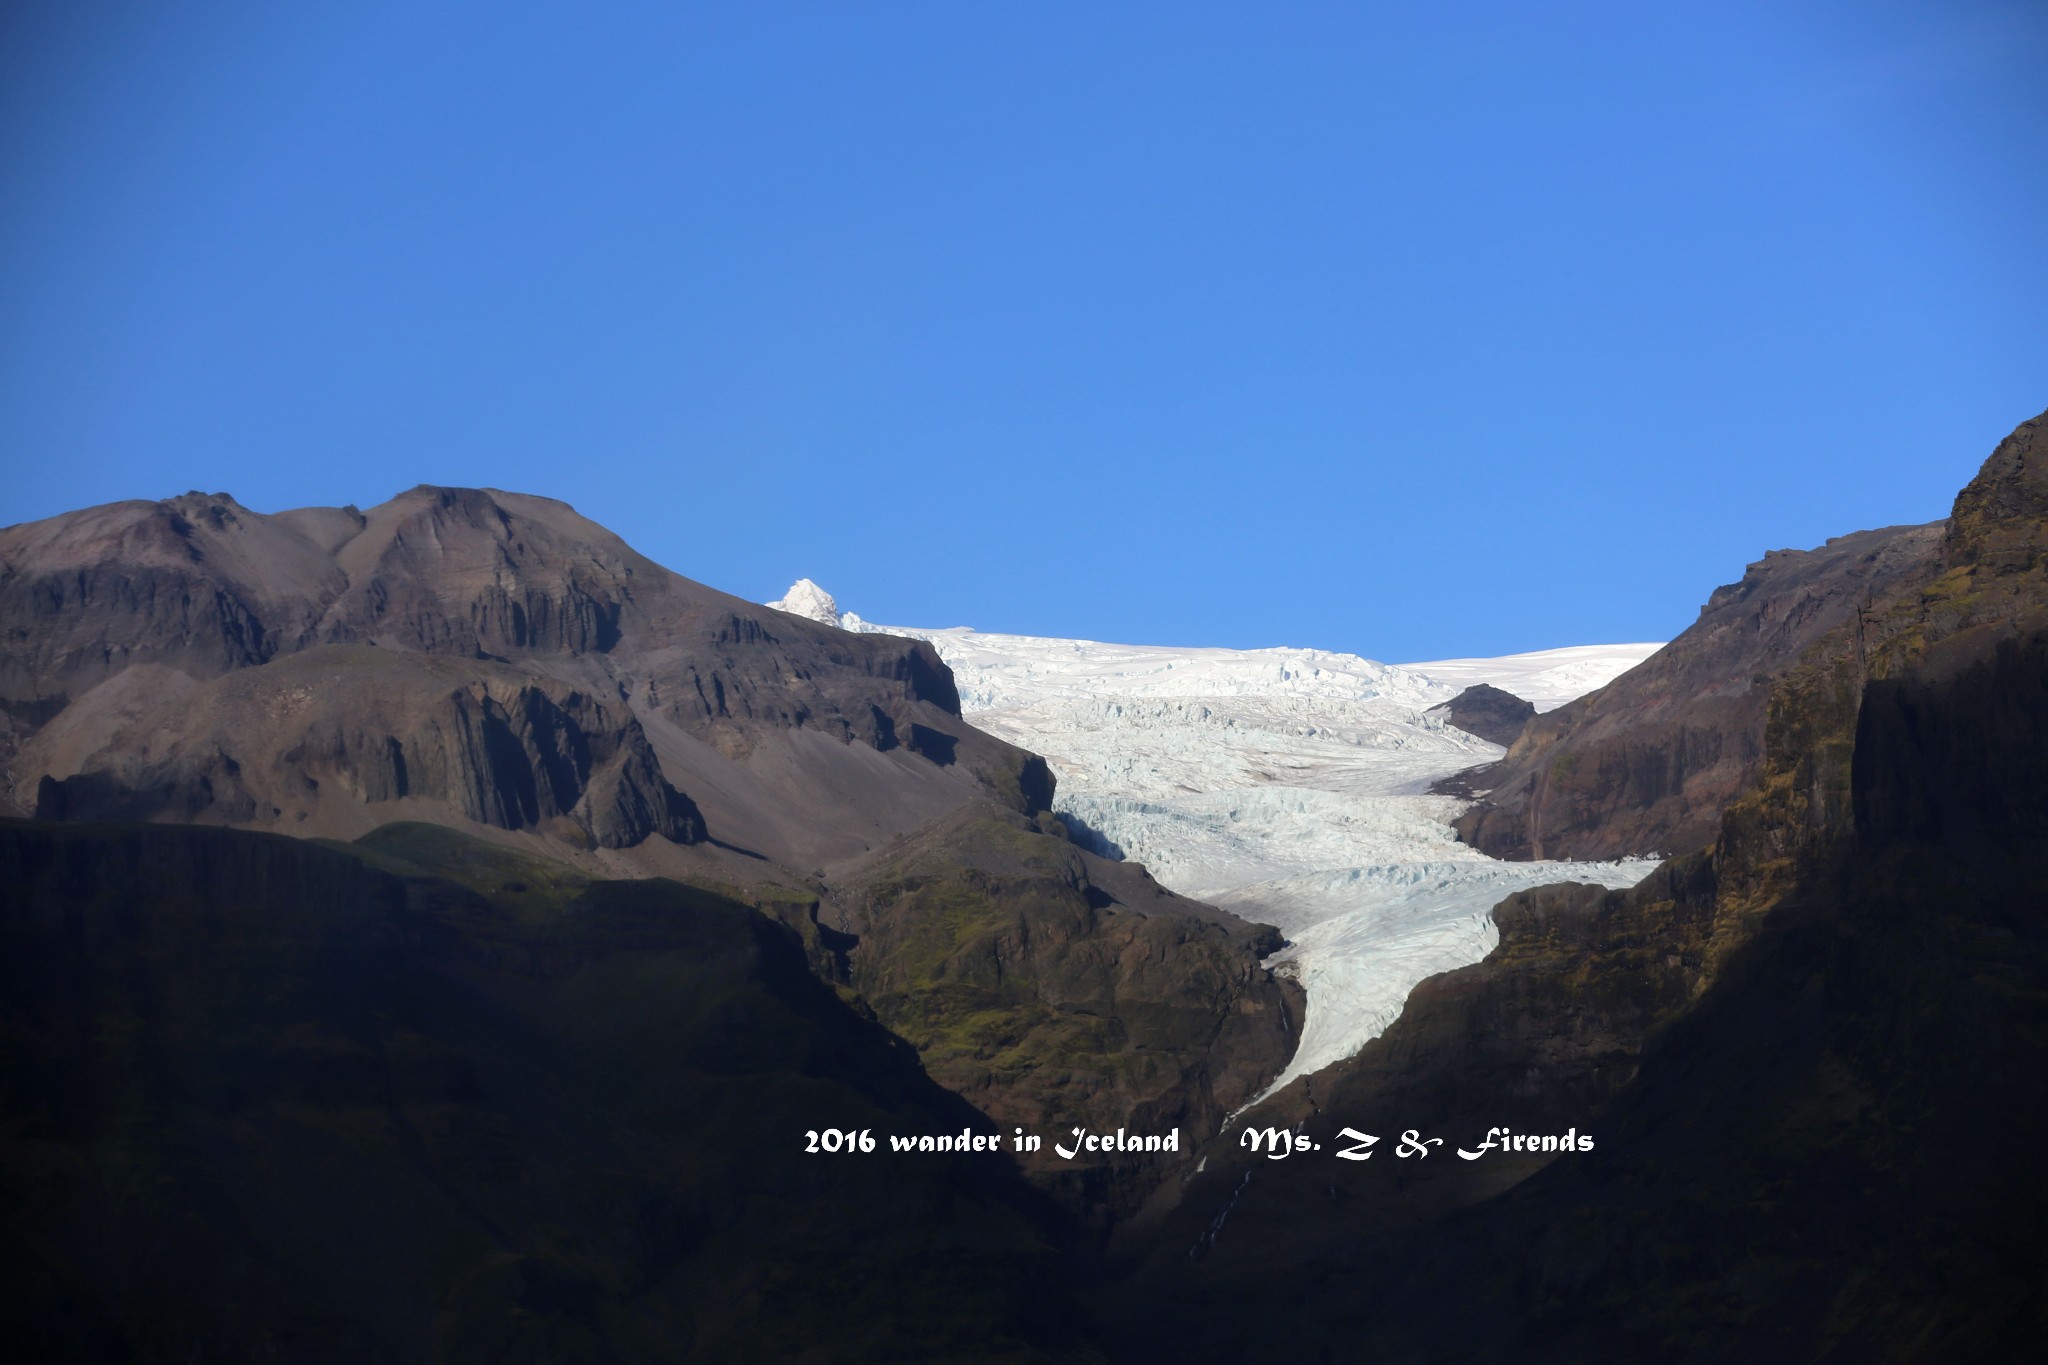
1803, 1055
1056, 989
264, 1099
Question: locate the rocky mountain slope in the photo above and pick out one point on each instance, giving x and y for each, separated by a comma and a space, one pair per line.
1054, 988
1802, 1052
497, 665
581, 662
1648, 763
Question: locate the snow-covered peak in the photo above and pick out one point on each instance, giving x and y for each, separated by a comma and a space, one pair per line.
810, 601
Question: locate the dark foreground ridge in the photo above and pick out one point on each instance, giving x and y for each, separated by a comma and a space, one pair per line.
270, 1100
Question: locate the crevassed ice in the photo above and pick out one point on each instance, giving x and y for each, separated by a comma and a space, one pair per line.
1288, 785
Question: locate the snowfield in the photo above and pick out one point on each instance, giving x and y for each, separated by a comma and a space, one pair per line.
1547, 678
1287, 785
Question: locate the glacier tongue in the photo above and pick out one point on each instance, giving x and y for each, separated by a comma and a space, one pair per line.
1288, 785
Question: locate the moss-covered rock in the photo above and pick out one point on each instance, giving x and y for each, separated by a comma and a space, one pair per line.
1037, 994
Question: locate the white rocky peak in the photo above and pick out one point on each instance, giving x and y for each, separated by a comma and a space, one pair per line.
810, 601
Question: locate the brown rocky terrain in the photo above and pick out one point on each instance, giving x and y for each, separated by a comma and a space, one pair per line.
767, 724
1802, 1052
333, 736
1647, 764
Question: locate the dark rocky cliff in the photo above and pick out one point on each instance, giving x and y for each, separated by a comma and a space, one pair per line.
363, 726
1647, 764
1493, 715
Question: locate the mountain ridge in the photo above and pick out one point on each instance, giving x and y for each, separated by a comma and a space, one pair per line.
203, 587
496, 665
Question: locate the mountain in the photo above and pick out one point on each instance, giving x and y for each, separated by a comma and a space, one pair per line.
1647, 764
808, 600
1800, 1053
497, 665
492, 1064
496, 661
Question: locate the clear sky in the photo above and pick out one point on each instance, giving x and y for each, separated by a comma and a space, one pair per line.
1410, 329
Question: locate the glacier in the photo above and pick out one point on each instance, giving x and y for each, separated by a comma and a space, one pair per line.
1288, 785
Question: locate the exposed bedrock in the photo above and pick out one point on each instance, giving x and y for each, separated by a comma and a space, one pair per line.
1496, 716
1647, 764
277, 745
151, 599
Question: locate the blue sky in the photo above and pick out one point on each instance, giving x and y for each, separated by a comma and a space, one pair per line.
1411, 330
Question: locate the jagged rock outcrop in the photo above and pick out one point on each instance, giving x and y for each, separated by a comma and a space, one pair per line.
1996, 528
339, 729
1494, 715
1648, 763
